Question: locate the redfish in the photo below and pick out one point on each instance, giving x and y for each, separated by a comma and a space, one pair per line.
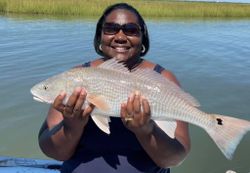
110, 84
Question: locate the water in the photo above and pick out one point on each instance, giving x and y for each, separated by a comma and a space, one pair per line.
209, 57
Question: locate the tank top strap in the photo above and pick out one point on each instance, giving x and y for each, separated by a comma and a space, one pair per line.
86, 64
158, 68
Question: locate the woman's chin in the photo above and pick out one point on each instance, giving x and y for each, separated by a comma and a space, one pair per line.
121, 58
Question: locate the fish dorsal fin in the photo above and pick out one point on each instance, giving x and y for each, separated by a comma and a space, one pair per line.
113, 64
161, 81
150, 75
99, 101
168, 127
101, 122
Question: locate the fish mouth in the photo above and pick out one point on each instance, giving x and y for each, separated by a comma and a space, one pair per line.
38, 99
35, 97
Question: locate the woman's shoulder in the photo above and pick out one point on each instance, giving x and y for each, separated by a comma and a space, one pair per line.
160, 69
92, 63
156, 67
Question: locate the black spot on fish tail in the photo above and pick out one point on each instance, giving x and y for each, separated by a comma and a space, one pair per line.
219, 121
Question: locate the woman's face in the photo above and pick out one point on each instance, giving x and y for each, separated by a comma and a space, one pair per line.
124, 43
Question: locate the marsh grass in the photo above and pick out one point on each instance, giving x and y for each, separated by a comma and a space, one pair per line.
153, 8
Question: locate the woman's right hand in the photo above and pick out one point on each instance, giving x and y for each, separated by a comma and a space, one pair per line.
64, 125
74, 117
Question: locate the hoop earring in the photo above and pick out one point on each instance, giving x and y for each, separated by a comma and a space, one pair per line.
100, 47
143, 49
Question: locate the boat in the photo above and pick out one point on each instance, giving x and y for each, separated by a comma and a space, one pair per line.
28, 165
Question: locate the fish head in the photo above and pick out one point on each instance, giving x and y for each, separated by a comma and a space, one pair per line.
47, 90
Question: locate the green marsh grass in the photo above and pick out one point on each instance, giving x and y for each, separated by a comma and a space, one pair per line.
153, 8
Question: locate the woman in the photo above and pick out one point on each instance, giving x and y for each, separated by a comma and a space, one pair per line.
136, 144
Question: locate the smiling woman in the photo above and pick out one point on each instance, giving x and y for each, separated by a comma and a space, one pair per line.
125, 42
136, 143
129, 37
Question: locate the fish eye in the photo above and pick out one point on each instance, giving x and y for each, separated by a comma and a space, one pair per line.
45, 87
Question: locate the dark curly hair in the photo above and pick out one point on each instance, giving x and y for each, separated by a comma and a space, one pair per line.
97, 39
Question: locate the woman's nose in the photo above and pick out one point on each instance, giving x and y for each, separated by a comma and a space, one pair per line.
120, 37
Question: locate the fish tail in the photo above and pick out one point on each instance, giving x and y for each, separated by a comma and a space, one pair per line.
227, 133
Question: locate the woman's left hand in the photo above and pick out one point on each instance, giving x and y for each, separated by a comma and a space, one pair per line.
136, 114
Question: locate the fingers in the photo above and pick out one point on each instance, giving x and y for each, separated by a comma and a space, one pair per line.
68, 109
87, 111
74, 104
138, 114
133, 106
146, 110
137, 109
58, 103
77, 110
130, 107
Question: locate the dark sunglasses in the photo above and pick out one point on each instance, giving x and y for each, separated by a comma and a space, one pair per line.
129, 29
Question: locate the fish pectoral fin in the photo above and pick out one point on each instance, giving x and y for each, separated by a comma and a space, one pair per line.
102, 123
167, 126
98, 101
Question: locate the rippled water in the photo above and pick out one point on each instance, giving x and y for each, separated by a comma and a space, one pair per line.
211, 59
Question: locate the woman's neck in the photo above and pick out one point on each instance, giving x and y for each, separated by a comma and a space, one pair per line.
130, 63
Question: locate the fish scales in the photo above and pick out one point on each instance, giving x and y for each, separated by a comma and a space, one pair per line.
117, 86
113, 86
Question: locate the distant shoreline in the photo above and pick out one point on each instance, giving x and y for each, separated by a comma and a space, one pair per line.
155, 9
218, 1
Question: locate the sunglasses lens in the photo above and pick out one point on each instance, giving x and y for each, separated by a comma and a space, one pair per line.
110, 28
131, 29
